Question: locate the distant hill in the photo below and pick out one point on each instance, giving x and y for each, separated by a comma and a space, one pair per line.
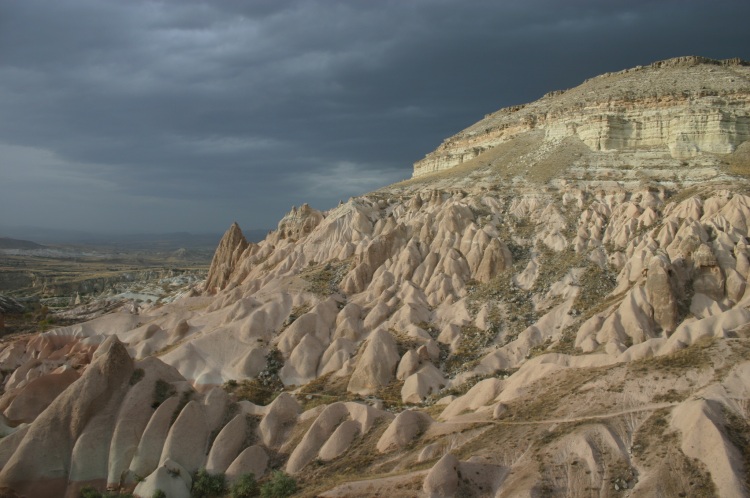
8, 243
145, 241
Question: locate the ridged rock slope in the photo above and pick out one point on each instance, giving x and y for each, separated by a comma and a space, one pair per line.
551, 317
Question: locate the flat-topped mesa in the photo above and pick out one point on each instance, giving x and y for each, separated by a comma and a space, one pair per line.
684, 106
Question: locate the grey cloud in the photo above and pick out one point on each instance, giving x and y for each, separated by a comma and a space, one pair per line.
255, 106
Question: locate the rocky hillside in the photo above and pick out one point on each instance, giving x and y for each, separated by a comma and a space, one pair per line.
688, 105
557, 315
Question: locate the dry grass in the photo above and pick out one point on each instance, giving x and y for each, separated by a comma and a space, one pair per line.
358, 462
695, 356
324, 279
325, 390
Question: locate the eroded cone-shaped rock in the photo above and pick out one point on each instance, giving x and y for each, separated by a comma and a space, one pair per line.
36, 396
316, 436
147, 455
340, 440
278, 421
187, 439
133, 418
226, 257
171, 478
442, 480
252, 460
376, 365
660, 292
405, 427
421, 384
42, 463
496, 258
227, 445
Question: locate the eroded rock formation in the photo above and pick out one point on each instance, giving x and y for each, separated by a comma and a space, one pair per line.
566, 313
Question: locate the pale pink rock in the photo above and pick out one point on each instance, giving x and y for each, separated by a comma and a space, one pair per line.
187, 438
376, 365
252, 460
279, 419
405, 427
340, 440
442, 480
227, 445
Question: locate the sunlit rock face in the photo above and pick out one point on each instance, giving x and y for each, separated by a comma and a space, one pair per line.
564, 314
685, 106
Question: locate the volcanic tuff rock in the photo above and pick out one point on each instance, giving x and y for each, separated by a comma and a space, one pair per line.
563, 313
688, 105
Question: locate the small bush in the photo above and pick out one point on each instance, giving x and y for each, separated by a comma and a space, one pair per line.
207, 485
137, 375
281, 485
162, 391
245, 487
90, 492
159, 494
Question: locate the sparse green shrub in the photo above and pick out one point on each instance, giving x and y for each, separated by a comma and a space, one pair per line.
207, 485
281, 485
136, 376
245, 487
162, 391
90, 492
159, 494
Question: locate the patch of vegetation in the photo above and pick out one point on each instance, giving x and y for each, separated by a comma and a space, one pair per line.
325, 390
245, 487
682, 194
652, 430
280, 485
361, 461
92, 492
567, 342
471, 348
466, 386
297, 312
391, 396
206, 485
403, 342
137, 376
231, 410
265, 387
184, 400
738, 432
324, 279
595, 283
695, 356
553, 265
163, 390
671, 396
500, 289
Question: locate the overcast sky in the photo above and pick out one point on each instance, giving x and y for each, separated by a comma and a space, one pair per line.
148, 116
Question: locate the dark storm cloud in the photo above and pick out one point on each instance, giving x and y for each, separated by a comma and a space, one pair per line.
187, 114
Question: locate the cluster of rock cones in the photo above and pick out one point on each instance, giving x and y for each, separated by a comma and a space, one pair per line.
556, 305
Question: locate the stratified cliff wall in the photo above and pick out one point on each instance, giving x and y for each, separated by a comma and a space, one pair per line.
677, 104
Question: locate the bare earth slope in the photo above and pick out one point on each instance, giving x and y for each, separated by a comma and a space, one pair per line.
556, 305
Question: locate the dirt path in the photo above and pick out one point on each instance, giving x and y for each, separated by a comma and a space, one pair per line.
636, 409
